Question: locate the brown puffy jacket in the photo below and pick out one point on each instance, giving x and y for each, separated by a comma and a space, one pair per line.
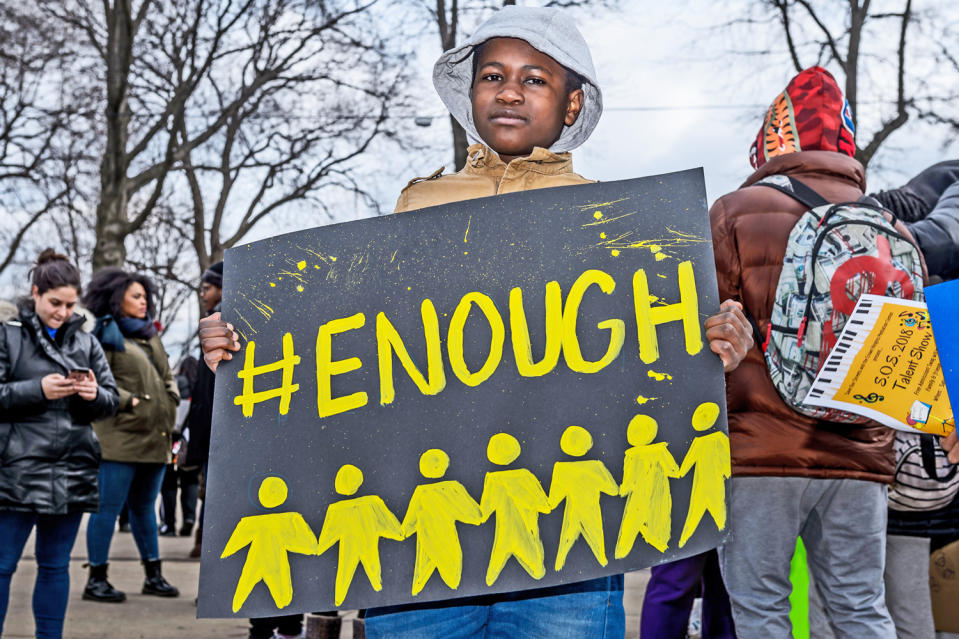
750, 227
485, 174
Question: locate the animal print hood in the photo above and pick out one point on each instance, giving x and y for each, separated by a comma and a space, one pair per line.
810, 115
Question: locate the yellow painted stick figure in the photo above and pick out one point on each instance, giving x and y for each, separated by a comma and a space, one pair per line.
709, 456
647, 468
517, 499
270, 538
357, 524
432, 515
580, 483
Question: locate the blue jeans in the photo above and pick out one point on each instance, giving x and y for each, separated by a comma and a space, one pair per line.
585, 610
138, 485
54, 540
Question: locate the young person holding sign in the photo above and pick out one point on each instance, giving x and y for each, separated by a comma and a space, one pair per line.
524, 88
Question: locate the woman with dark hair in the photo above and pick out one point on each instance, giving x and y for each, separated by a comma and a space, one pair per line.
54, 381
137, 441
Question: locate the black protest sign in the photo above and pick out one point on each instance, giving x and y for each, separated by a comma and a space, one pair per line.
492, 395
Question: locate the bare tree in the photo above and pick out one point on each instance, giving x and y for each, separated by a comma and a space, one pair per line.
178, 73
298, 138
455, 18
884, 48
38, 150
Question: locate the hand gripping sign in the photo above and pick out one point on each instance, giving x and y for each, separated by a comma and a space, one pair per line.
487, 396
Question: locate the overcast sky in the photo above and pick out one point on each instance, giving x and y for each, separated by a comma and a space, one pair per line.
676, 99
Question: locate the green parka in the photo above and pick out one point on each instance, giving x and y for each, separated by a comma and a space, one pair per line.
141, 433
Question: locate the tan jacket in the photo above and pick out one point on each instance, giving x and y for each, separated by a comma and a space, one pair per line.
141, 433
750, 228
485, 174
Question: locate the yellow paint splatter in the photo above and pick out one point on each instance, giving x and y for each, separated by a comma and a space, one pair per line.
294, 274
301, 264
660, 257
240, 315
658, 376
264, 309
676, 239
272, 284
322, 258
614, 252
409, 288
299, 288
467, 229
599, 205
662, 276
602, 220
602, 235
642, 400
393, 257
466, 252
598, 215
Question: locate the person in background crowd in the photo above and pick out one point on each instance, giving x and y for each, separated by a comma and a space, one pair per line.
929, 205
200, 417
179, 476
794, 475
54, 381
285, 627
671, 591
138, 440
8, 310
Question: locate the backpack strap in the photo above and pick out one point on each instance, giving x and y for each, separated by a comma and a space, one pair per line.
927, 446
14, 341
794, 189
758, 337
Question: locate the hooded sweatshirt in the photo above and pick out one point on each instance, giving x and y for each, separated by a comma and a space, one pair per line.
549, 31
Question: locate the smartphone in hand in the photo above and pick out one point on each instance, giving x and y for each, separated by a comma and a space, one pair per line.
79, 374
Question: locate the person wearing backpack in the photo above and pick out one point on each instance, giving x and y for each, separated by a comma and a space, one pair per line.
796, 475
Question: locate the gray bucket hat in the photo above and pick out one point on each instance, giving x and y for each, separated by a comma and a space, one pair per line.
549, 31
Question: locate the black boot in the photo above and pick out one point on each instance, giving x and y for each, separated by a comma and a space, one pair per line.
155, 584
99, 589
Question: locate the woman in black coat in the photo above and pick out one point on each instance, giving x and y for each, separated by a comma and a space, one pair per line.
54, 381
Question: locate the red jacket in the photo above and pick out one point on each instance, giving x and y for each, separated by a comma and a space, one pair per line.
750, 227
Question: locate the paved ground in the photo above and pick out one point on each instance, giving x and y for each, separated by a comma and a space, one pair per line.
155, 618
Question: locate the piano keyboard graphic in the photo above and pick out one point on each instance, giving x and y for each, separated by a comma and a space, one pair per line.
853, 336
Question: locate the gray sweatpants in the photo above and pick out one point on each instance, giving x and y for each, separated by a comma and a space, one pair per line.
843, 526
907, 591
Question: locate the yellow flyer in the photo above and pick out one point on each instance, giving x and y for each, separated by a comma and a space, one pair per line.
885, 366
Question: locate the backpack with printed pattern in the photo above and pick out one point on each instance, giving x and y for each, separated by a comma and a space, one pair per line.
835, 253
